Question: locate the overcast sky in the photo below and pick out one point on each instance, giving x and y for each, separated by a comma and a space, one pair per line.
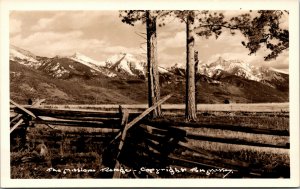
101, 34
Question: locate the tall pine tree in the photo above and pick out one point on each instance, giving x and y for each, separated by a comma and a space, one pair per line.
201, 23
150, 18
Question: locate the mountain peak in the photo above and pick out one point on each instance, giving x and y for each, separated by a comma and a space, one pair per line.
79, 57
178, 65
76, 54
18, 50
221, 58
127, 63
23, 57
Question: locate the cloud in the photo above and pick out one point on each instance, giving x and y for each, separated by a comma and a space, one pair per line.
116, 49
205, 46
169, 59
42, 24
48, 22
53, 43
233, 56
50, 44
71, 20
172, 25
14, 26
280, 63
233, 40
176, 41
106, 51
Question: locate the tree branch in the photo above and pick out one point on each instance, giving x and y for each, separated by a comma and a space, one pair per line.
142, 47
232, 27
140, 35
163, 14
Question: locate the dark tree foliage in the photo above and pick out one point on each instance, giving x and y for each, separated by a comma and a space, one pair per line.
263, 30
260, 28
210, 23
206, 23
132, 16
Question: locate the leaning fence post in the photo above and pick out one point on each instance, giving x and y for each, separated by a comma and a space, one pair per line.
26, 117
124, 120
131, 124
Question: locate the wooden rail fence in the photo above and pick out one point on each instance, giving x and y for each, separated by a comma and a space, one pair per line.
142, 141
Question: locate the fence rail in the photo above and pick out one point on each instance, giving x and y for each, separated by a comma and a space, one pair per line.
255, 107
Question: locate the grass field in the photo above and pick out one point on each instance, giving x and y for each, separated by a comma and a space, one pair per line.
83, 148
257, 107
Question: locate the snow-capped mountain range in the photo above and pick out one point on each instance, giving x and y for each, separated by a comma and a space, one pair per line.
59, 67
234, 67
125, 64
267, 76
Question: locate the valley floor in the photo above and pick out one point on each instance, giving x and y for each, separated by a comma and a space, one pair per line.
169, 108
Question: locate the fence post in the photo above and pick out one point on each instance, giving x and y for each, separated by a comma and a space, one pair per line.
124, 120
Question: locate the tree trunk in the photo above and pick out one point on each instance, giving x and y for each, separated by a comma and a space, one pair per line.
153, 75
190, 109
196, 71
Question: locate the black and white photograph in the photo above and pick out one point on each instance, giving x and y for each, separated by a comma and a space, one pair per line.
151, 94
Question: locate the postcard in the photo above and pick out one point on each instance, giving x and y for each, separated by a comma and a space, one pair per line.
127, 93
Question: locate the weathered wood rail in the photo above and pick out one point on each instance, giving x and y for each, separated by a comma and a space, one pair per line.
230, 127
143, 142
